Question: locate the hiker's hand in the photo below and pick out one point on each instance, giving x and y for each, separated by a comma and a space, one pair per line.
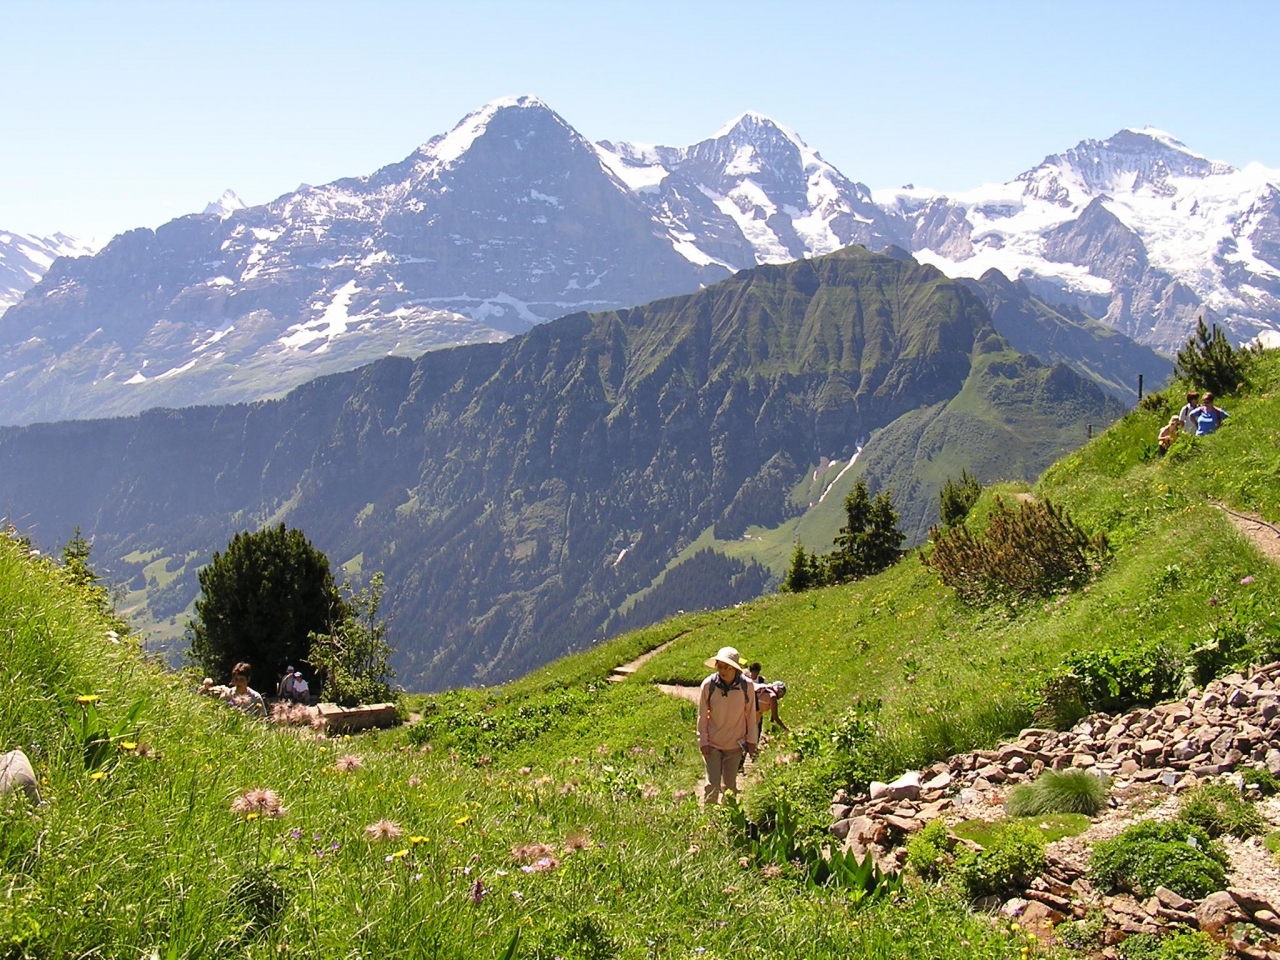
705, 750
753, 749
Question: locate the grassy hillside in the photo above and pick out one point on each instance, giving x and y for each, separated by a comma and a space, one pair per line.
149, 859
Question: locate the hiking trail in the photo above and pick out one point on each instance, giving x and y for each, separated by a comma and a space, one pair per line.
1261, 533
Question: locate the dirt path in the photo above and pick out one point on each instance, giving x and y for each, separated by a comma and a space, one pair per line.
678, 690
621, 673
1264, 535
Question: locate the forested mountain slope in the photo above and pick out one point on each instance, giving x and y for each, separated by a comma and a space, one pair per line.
517, 494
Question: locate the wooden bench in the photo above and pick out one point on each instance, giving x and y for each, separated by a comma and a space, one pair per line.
350, 719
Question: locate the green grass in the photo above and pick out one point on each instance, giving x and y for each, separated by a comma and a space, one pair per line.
1053, 826
145, 859
1059, 792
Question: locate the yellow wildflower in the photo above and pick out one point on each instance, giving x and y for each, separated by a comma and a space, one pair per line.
88, 698
98, 775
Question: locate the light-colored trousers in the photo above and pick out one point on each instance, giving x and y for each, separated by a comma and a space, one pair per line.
722, 773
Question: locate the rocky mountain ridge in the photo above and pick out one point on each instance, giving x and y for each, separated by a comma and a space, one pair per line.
513, 218
25, 258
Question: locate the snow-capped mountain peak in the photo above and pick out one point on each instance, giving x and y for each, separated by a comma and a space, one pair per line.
448, 148
1130, 161
225, 205
754, 192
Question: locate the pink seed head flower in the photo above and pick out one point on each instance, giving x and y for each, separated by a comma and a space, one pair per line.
348, 763
259, 801
383, 829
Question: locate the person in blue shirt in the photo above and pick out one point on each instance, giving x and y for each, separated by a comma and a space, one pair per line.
1207, 417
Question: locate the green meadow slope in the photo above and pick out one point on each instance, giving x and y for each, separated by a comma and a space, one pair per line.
150, 859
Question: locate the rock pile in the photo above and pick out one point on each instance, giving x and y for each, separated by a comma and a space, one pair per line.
1233, 722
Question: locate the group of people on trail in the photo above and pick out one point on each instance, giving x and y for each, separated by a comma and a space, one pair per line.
731, 706
1199, 416
292, 687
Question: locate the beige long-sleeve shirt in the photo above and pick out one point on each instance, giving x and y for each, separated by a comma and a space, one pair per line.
726, 717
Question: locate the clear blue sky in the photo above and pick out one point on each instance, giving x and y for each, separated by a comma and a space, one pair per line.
127, 114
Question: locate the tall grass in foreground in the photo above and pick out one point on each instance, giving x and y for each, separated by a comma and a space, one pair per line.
171, 847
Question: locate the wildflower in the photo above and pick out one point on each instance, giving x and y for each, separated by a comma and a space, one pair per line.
483, 760
648, 792
254, 815
1213, 601
98, 775
525, 771
541, 865
636, 751
477, 892
577, 840
771, 872
348, 763
88, 698
127, 745
383, 829
1246, 580
678, 795
530, 851
567, 788
398, 855
295, 833
259, 801
415, 781
463, 820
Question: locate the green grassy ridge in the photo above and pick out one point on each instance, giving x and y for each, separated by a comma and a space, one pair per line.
934, 663
145, 860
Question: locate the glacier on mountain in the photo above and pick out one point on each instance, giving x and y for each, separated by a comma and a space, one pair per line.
512, 218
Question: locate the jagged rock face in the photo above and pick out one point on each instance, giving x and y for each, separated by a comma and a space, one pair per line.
1135, 230
754, 193
24, 259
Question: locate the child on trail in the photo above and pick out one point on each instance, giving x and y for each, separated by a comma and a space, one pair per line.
726, 722
1169, 433
243, 697
767, 697
1184, 415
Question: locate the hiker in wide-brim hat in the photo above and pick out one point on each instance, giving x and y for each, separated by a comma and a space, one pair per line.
726, 722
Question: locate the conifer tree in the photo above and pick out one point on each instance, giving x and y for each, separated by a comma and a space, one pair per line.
261, 600
1208, 361
799, 575
957, 498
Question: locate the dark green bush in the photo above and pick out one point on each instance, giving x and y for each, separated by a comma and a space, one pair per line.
1034, 550
1218, 808
1059, 791
1010, 862
929, 851
1177, 855
1109, 680
1267, 784
1188, 945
